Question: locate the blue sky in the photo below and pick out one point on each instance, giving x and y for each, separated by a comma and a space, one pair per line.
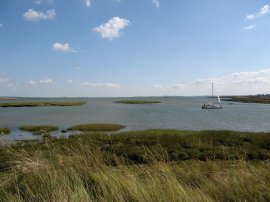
134, 48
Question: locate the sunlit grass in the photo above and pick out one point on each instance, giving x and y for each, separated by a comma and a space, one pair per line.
98, 167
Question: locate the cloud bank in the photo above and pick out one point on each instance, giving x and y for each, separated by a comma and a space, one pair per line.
247, 82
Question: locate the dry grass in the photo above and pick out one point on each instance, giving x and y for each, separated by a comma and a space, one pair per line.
83, 171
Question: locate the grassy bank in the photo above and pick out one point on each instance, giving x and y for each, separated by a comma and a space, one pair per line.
4, 131
137, 102
96, 127
155, 165
40, 104
248, 99
39, 130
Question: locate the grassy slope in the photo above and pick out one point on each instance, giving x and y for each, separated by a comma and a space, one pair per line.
96, 167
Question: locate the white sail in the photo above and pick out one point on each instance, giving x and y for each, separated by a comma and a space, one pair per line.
218, 98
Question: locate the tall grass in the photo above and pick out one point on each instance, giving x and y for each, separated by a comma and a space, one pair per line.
81, 169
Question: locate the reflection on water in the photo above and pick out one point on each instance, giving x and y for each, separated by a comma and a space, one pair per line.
174, 112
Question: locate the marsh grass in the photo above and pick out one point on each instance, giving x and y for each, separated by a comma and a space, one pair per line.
84, 168
40, 104
4, 131
137, 102
249, 99
96, 127
39, 130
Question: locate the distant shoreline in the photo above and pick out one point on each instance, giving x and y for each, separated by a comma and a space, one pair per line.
261, 99
40, 104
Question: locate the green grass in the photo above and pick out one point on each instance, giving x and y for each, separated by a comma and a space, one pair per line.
39, 130
4, 131
249, 99
40, 104
96, 127
100, 167
138, 102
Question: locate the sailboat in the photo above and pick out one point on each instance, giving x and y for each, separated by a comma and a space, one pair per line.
213, 105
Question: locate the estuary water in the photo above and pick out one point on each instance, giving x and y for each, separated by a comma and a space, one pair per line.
182, 113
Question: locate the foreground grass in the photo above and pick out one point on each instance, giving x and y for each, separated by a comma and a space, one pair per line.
39, 130
4, 131
96, 127
40, 104
138, 102
97, 167
249, 99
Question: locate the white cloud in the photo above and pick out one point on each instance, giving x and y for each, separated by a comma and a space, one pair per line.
1, 25
156, 3
31, 82
63, 48
3, 80
87, 3
46, 81
32, 15
264, 10
159, 86
100, 85
112, 28
37, 1
246, 82
249, 27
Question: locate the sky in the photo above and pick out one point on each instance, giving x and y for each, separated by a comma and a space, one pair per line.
117, 48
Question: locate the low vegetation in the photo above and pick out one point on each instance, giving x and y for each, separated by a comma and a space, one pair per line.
96, 127
4, 131
249, 99
39, 130
40, 104
138, 102
153, 165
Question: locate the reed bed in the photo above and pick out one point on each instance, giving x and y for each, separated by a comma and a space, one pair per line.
85, 168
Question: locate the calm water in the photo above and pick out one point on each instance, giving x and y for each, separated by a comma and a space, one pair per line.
173, 112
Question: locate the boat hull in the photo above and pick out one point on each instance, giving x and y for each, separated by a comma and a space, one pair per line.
211, 107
